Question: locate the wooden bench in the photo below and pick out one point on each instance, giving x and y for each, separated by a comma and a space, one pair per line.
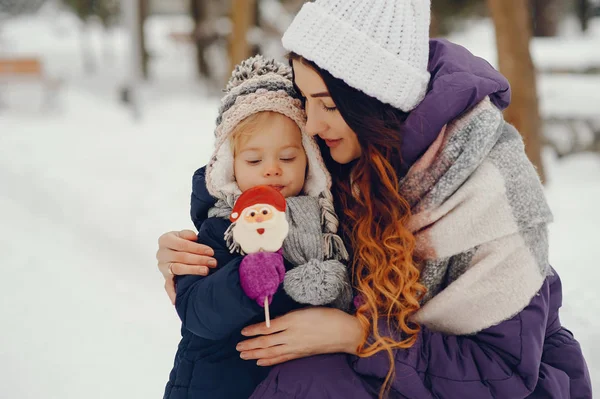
28, 69
21, 66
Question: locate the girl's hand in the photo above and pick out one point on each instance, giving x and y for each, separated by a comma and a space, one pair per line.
179, 254
301, 333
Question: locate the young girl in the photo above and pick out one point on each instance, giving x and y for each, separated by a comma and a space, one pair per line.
260, 140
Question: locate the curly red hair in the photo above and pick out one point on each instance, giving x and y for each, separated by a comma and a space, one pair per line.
374, 217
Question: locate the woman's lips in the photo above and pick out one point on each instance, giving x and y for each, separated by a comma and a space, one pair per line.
333, 143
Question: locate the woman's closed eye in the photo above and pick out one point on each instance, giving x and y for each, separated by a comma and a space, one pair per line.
329, 109
304, 100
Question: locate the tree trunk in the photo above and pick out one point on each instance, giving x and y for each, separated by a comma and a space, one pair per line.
143, 13
242, 19
434, 26
546, 16
200, 14
583, 13
255, 47
84, 10
513, 34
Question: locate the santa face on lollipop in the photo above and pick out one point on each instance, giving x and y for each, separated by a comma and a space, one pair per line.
260, 221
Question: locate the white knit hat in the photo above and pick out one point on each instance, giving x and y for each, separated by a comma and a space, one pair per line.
380, 47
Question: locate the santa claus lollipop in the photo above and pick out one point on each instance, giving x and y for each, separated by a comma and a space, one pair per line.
260, 226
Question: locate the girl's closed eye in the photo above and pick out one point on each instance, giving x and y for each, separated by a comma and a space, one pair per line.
288, 155
253, 161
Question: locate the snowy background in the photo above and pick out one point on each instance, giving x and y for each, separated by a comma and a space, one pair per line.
85, 191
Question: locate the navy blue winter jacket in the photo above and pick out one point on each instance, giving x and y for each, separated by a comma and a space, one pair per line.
213, 311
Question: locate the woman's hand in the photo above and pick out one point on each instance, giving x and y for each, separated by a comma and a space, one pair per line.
301, 333
178, 253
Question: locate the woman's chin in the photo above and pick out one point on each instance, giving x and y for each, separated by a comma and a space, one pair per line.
341, 157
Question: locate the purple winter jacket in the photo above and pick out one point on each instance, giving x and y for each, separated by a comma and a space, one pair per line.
528, 356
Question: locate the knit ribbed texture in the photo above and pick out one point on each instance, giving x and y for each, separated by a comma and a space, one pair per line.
314, 280
380, 47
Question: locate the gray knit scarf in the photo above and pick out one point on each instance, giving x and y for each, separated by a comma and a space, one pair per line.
480, 219
319, 277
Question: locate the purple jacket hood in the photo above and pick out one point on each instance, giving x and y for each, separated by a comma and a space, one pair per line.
459, 81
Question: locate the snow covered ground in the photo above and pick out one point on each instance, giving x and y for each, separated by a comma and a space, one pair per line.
85, 191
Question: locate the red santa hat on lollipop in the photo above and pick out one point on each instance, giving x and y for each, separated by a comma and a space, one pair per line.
260, 221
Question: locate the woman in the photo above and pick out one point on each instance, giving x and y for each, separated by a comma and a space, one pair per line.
445, 216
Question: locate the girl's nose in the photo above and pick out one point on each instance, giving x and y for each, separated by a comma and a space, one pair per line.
272, 169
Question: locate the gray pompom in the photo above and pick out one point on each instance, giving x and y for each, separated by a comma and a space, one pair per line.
257, 66
319, 283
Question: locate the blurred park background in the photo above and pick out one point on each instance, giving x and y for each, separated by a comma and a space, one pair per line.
106, 109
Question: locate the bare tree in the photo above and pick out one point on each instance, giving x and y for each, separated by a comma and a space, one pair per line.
243, 13
143, 7
513, 35
446, 14
583, 8
200, 13
18, 7
104, 10
546, 16
434, 26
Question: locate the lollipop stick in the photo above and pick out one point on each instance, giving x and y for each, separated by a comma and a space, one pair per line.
267, 317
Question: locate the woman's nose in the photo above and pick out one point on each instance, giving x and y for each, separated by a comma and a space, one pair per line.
314, 125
